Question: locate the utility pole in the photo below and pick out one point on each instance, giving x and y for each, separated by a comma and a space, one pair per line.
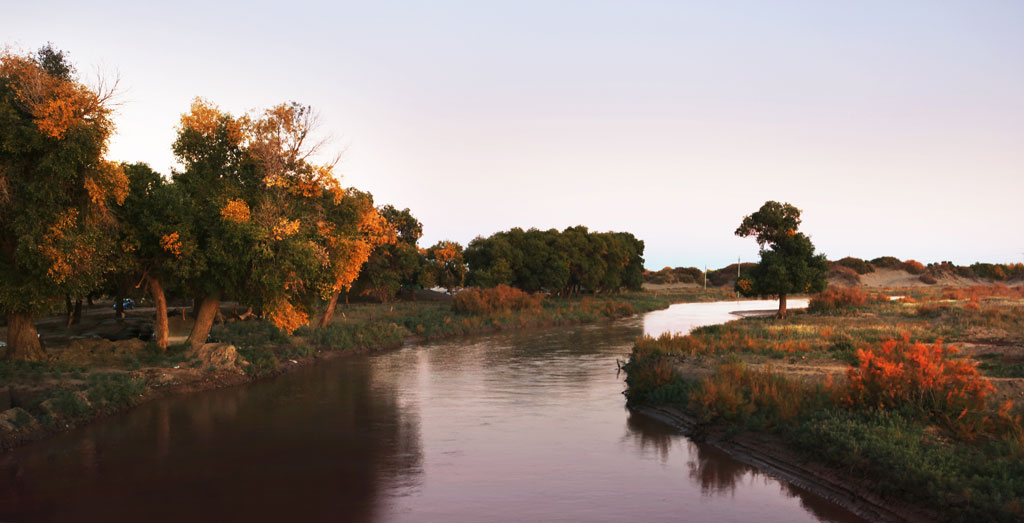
737, 293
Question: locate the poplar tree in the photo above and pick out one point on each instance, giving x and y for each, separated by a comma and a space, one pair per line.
56, 189
788, 263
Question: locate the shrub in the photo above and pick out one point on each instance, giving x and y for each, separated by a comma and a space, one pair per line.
114, 390
928, 278
844, 274
70, 406
888, 262
914, 267
857, 264
495, 299
249, 334
901, 374
839, 298
735, 392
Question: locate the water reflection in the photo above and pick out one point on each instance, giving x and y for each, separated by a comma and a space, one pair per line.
307, 444
524, 425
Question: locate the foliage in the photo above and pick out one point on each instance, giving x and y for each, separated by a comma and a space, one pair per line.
836, 299
395, 264
56, 187
563, 263
734, 392
914, 267
114, 390
788, 264
446, 262
926, 378
857, 264
495, 299
887, 262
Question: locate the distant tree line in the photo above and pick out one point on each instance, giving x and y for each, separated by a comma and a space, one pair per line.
563, 263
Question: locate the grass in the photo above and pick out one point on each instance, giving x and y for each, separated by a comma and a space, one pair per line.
110, 391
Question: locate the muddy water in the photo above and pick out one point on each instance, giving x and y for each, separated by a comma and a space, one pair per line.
521, 426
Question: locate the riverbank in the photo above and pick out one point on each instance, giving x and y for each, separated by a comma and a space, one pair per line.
89, 379
771, 456
861, 398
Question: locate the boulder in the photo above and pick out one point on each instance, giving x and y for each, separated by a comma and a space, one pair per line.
220, 356
17, 420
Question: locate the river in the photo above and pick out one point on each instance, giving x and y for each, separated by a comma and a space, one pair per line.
516, 426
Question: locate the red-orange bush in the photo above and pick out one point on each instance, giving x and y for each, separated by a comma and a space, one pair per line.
835, 298
923, 377
495, 299
914, 267
735, 391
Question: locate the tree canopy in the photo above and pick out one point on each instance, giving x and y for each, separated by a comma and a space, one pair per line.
563, 263
56, 189
788, 263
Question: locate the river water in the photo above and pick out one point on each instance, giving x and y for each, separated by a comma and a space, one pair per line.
515, 426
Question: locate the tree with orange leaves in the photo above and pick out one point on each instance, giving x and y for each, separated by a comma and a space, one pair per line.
445, 259
56, 189
276, 230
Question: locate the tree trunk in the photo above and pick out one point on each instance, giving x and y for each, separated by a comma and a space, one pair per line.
328, 314
118, 306
205, 314
160, 329
88, 299
76, 315
22, 338
69, 311
782, 307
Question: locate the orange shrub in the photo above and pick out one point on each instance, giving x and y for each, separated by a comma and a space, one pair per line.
735, 391
836, 298
924, 377
495, 299
914, 267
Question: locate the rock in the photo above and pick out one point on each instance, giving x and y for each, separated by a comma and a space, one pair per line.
220, 356
17, 420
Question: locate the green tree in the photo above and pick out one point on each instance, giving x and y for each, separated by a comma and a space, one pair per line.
447, 264
56, 189
788, 263
157, 244
392, 266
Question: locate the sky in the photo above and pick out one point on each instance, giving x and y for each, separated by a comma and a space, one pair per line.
897, 127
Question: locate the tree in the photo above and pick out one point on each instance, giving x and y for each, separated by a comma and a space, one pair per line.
157, 245
220, 186
349, 229
788, 264
445, 259
56, 189
397, 264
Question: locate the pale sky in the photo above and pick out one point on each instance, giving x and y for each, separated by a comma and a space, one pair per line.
898, 127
